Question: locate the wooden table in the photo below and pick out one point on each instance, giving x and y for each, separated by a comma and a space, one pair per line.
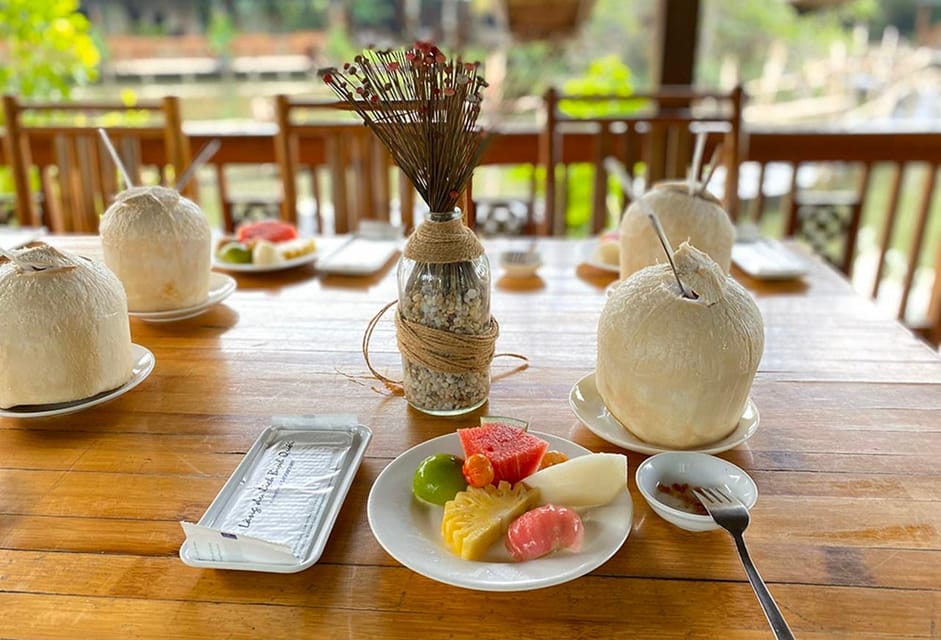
847, 529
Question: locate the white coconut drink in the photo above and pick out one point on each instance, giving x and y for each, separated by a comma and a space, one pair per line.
687, 214
674, 370
159, 244
64, 332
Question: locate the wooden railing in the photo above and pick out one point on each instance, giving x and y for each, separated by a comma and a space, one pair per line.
900, 216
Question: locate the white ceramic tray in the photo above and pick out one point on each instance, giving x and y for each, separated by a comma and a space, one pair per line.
277, 509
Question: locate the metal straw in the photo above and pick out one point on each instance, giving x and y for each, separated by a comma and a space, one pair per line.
665, 242
115, 157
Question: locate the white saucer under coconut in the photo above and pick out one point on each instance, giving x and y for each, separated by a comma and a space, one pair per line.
158, 242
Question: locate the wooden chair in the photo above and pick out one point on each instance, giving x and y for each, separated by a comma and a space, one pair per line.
655, 132
76, 176
352, 158
359, 167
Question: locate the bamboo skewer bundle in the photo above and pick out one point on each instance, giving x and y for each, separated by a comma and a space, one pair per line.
424, 107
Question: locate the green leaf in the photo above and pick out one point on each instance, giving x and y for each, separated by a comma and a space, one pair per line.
48, 48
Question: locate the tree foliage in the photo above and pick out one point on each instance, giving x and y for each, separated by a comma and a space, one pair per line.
45, 48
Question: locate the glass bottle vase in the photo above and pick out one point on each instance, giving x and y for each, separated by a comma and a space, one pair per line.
453, 297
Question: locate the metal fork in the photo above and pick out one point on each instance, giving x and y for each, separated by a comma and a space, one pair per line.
730, 514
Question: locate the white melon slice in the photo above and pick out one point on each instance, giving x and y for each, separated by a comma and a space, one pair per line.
580, 483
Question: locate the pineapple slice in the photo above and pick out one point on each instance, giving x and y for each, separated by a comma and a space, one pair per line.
296, 248
476, 518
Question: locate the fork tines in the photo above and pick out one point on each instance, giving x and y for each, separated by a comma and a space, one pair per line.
712, 495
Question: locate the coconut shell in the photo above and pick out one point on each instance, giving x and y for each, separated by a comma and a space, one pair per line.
64, 332
677, 372
159, 244
698, 219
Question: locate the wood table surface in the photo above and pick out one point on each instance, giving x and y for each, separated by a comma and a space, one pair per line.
846, 531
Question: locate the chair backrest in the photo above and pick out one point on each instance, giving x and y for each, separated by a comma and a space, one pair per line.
356, 164
654, 132
77, 178
359, 166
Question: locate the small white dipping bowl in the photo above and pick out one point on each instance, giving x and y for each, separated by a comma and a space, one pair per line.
520, 264
696, 470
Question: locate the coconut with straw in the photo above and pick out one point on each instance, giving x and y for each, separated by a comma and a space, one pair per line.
157, 241
687, 212
424, 107
678, 348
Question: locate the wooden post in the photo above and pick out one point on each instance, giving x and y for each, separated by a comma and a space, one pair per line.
177, 144
735, 154
547, 158
934, 305
678, 23
287, 166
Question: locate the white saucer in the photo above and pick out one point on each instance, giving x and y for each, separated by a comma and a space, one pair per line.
411, 531
588, 406
242, 267
143, 364
221, 287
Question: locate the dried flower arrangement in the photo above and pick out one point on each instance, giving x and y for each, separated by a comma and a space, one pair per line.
424, 107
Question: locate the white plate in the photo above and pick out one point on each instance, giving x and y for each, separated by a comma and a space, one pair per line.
221, 287
410, 531
307, 258
143, 364
587, 251
587, 404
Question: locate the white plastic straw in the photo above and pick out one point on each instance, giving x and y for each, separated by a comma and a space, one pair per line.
115, 157
201, 158
713, 165
616, 167
697, 161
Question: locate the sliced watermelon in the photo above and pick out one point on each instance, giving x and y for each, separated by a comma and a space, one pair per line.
513, 453
270, 230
